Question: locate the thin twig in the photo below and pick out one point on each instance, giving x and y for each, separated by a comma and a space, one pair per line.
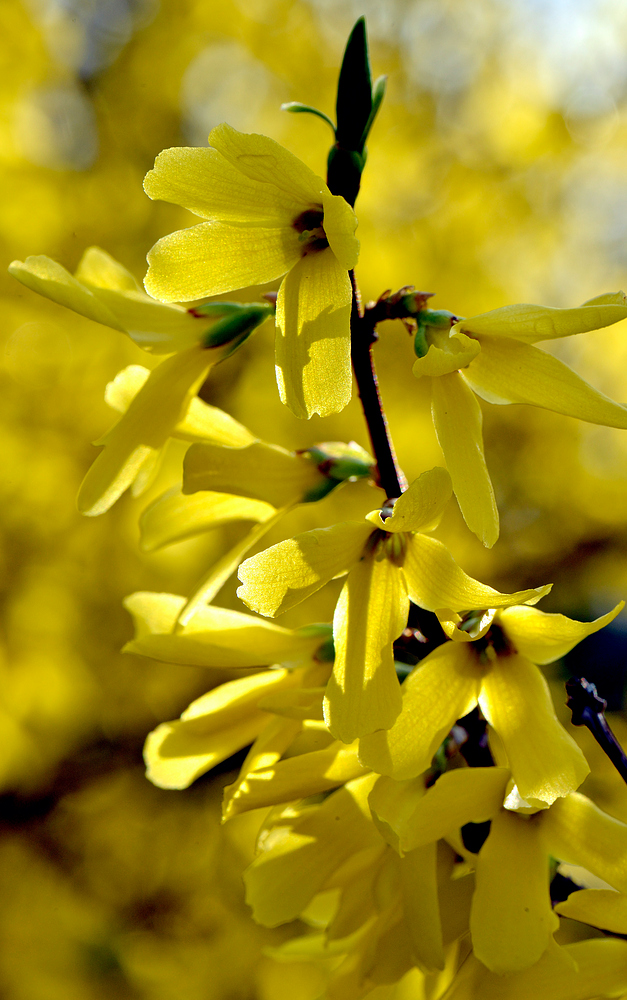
589, 710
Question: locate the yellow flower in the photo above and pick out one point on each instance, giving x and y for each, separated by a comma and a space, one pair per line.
493, 356
494, 668
388, 562
268, 215
511, 919
103, 290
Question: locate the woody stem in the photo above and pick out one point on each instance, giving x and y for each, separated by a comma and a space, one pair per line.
363, 336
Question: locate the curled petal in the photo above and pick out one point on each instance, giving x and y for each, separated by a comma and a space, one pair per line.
421, 506
511, 920
313, 336
530, 323
580, 833
285, 574
508, 371
339, 224
45, 276
458, 421
546, 637
599, 907
363, 693
451, 353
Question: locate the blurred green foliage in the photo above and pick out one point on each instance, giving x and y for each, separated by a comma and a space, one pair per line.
496, 173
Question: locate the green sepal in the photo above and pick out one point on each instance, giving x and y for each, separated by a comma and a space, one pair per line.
235, 327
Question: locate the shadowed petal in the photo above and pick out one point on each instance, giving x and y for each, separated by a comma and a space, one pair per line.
579, 833
599, 907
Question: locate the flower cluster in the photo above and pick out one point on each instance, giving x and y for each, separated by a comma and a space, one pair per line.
417, 807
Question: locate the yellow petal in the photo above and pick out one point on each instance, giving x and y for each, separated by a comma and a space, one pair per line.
148, 422
450, 353
213, 582
121, 391
391, 804
216, 637
546, 637
285, 574
436, 581
598, 907
216, 257
313, 365
205, 182
511, 920
269, 747
544, 760
458, 424
210, 730
211, 425
45, 276
100, 269
508, 371
363, 693
406, 750
263, 471
297, 857
294, 778
465, 795
421, 909
530, 323
596, 969
304, 703
340, 223
474, 628
265, 161
172, 516
420, 507
579, 833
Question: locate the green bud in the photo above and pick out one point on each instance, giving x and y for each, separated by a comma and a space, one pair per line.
339, 460
354, 90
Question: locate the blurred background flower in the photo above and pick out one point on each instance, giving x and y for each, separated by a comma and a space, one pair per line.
496, 174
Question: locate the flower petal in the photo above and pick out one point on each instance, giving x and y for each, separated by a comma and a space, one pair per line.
210, 730
544, 760
363, 693
452, 352
294, 778
99, 269
465, 795
421, 909
340, 223
436, 581
211, 425
599, 907
285, 574
207, 184
530, 323
406, 750
507, 371
264, 160
147, 424
421, 506
579, 833
546, 637
45, 276
216, 257
313, 365
216, 637
511, 920
173, 517
458, 424
262, 471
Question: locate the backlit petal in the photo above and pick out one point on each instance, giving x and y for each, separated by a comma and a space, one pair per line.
212, 425
511, 920
313, 366
579, 833
508, 371
50, 279
340, 223
545, 761
599, 907
546, 637
285, 574
148, 422
458, 424
421, 506
436, 581
363, 693
216, 257
530, 323
173, 516
406, 750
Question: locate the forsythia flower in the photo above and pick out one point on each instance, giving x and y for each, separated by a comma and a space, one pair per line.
494, 669
268, 215
493, 356
389, 562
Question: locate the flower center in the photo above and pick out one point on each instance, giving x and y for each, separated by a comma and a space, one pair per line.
308, 225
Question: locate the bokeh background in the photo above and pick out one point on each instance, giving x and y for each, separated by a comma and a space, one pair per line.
497, 173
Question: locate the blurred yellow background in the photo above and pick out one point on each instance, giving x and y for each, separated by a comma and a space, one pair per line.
497, 173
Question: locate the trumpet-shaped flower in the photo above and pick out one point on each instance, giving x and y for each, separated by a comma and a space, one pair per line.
494, 668
511, 918
268, 215
389, 562
103, 290
492, 356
